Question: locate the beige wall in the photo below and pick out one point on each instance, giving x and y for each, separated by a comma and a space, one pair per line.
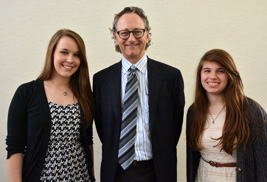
181, 32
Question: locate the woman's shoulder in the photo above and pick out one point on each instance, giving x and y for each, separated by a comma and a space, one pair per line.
189, 115
253, 105
256, 112
29, 87
30, 84
190, 109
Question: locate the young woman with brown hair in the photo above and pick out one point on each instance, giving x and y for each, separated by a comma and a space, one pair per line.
226, 131
50, 119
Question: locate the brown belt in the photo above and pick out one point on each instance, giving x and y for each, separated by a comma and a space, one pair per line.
215, 164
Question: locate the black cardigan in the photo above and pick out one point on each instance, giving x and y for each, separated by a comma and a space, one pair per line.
29, 125
252, 164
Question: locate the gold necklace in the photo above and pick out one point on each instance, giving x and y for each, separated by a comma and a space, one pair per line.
213, 120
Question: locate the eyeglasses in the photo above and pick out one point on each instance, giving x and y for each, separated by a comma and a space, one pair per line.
137, 33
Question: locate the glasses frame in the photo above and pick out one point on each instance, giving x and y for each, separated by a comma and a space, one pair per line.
143, 29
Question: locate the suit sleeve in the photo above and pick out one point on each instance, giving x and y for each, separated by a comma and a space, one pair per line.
179, 102
17, 123
97, 100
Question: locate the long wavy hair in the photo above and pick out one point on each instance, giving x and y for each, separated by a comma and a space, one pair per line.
236, 130
79, 81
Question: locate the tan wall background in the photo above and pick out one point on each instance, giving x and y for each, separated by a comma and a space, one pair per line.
182, 31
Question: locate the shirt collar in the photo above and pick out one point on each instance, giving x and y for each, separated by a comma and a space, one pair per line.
141, 65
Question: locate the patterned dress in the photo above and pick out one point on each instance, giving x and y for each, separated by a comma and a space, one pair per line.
65, 159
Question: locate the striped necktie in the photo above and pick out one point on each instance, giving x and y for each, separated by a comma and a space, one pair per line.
129, 118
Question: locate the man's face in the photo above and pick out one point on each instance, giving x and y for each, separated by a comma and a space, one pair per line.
133, 49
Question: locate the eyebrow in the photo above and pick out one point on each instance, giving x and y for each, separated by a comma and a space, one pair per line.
126, 29
206, 68
64, 49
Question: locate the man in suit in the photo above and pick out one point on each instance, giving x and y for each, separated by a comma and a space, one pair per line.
139, 108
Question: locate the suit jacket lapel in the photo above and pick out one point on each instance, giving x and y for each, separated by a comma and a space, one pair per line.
155, 79
115, 89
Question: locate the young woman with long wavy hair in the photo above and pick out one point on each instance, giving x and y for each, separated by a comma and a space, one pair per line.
50, 119
226, 131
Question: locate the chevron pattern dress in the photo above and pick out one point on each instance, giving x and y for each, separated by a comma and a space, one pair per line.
65, 158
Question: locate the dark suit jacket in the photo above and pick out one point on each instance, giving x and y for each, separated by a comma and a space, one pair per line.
166, 106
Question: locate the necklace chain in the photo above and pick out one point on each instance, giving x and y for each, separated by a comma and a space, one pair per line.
65, 93
213, 119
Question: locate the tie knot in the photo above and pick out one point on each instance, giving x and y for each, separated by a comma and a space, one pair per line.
132, 69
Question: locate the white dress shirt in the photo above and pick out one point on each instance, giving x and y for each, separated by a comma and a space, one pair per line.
143, 147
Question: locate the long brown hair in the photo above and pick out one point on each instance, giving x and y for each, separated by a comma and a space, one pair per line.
236, 129
79, 81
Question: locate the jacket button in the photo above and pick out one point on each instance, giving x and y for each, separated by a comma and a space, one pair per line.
239, 169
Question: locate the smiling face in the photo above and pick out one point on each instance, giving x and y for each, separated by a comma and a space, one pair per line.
66, 58
213, 78
132, 49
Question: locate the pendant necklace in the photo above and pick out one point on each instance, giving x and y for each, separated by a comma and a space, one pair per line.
65, 93
213, 120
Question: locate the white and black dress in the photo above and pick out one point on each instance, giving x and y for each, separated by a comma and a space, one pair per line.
65, 159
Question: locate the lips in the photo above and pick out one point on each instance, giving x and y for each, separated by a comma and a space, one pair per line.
67, 67
213, 84
132, 44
